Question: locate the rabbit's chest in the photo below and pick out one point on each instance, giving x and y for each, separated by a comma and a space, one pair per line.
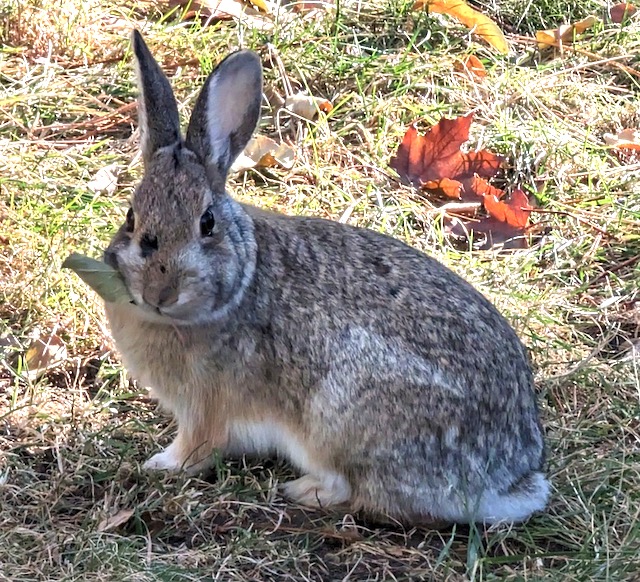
172, 361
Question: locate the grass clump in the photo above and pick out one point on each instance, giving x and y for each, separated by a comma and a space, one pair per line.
73, 437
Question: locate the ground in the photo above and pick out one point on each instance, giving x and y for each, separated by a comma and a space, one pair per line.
75, 503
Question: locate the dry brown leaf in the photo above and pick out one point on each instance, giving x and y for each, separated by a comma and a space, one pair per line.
44, 354
276, 101
256, 17
480, 24
507, 224
307, 106
471, 66
565, 33
618, 13
264, 152
105, 180
486, 233
257, 14
627, 139
114, 521
310, 5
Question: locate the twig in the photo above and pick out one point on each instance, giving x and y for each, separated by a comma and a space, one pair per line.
97, 122
578, 218
622, 265
582, 363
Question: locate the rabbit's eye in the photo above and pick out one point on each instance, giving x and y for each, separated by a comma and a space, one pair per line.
207, 223
130, 221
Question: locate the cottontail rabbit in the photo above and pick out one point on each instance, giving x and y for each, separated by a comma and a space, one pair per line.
387, 380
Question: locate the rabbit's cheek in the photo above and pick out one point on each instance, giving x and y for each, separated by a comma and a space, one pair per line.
111, 258
127, 255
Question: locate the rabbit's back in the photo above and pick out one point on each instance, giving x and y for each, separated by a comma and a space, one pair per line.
354, 284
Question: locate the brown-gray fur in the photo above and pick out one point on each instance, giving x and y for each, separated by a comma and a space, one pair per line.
388, 380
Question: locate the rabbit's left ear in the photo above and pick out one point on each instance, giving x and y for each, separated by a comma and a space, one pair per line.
226, 113
157, 109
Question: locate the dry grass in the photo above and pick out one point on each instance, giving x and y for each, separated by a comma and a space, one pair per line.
72, 440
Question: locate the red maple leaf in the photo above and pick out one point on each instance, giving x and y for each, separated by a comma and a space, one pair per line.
435, 163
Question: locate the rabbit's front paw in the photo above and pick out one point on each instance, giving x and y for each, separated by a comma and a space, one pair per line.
164, 461
314, 491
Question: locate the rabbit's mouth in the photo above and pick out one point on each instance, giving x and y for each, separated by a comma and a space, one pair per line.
178, 315
158, 315
175, 314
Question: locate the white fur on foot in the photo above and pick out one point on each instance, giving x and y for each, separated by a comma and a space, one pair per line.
314, 491
164, 461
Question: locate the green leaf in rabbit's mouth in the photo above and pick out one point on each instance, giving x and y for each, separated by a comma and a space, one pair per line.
102, 278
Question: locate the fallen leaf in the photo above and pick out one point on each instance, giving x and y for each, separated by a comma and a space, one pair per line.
479, 24
309, 5
230, 8
627, 139
515, 211
435, 162
105, 180
445, 186
114, 521
507, 224
44, 354
102, 278
472, 66
618, 13
264, 152
261, 5
275, 100
254, 14
565, 33
307, 106
486, 233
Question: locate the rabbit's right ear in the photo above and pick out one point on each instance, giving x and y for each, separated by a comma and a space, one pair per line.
226, 113
157, 109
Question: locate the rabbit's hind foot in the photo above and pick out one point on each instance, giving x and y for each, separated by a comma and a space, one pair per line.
318, 490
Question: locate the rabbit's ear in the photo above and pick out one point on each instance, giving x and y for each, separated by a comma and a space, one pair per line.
157, 108
226, 113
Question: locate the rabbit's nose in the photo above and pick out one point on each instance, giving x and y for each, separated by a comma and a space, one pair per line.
164, 297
